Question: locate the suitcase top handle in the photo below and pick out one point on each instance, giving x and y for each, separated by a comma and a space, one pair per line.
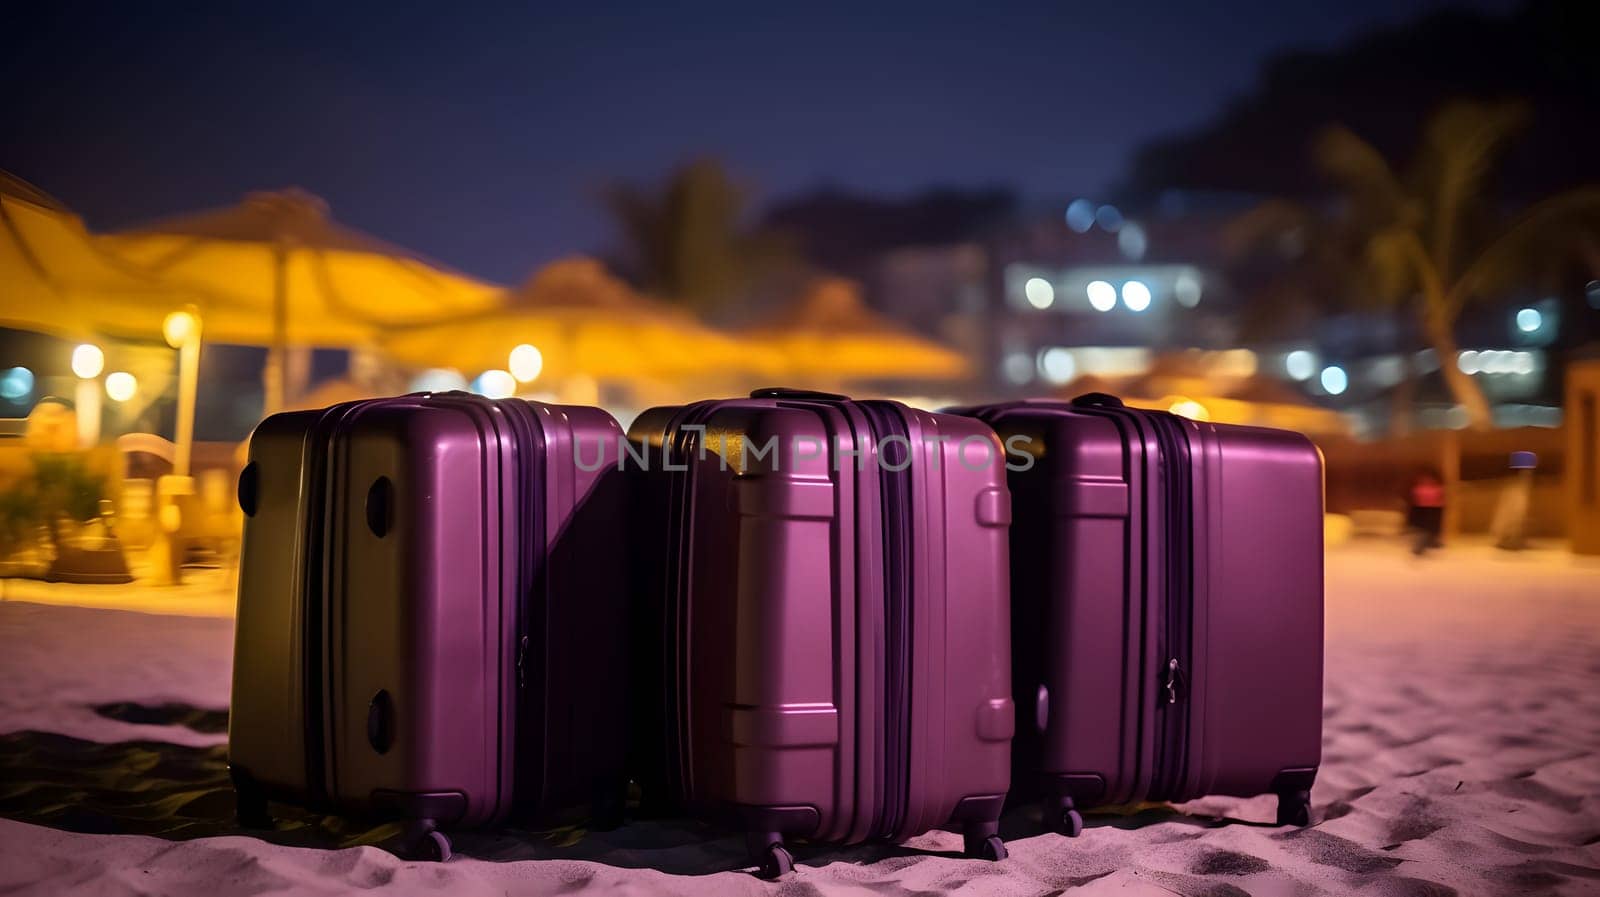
1098, 400
783, 392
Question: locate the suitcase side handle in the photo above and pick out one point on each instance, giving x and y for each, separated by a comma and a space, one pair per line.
1097, 400
784, 392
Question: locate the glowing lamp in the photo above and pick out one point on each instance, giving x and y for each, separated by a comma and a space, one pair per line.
178, 328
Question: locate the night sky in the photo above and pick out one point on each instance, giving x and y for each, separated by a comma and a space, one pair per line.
482, 139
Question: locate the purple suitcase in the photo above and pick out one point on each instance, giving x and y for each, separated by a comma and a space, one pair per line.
430, 614
824, 649
1167, 595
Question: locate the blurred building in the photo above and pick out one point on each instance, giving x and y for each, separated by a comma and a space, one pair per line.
1042, 296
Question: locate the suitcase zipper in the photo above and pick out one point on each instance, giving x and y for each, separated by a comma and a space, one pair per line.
531, 607
1172, 714
677, 461
888, 428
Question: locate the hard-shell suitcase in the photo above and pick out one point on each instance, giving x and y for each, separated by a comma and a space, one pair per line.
824, 648
1167, 605
431, 616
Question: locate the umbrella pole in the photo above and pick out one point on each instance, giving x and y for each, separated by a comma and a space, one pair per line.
276, 374
188, 390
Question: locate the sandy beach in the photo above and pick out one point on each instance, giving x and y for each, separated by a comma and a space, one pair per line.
1461, 756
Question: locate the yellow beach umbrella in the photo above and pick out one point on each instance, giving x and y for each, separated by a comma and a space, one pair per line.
54, 279
583, 322
830, 334
293, 276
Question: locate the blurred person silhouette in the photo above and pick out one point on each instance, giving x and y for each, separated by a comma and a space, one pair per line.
1510, 523
1426, 517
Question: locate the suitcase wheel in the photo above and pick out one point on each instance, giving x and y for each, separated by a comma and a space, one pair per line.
1294, 808
438, 846
772, 858
1070, 823
423, 842
991, 848
1061, 814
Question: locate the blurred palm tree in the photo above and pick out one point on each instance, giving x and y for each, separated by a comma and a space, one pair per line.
1427, 241
1433, 240
688, 241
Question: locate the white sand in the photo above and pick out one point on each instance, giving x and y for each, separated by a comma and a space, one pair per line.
1462, 755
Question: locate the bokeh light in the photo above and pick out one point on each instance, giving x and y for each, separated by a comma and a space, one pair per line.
438, 380
1080, 215
495, 384
1335, 380
1186, 289
1135, 295
1133, 241
178, 328
1300, 364
16, 384
1189, 408
88, 361
1017, 368
1039, 292
526, 362
1109, 218
1529, 320
121, 386
1056, 365
1102, 295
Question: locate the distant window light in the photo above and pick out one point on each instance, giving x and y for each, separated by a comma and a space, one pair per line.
1186, 289
1039, 292
1467, 361
1017, 368
1057, 365
1080, 215
1132, 241
1529, 320
1135, 295
1300, 364
1109, 218
1335, 380
1102, 295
